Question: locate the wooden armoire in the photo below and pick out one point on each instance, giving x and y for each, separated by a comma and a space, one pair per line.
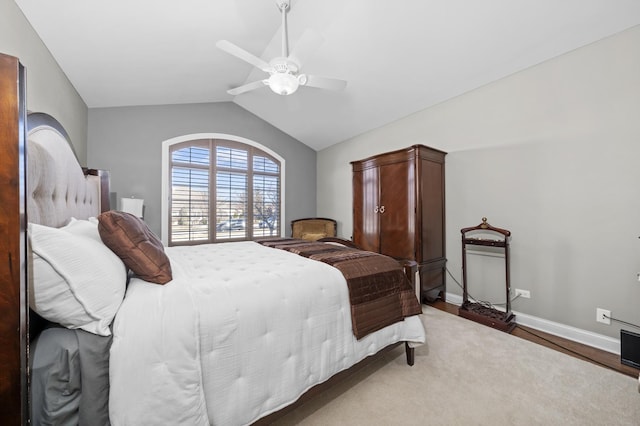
399, 210
14, 402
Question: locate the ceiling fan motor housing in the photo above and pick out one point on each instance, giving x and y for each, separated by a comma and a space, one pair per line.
284, 65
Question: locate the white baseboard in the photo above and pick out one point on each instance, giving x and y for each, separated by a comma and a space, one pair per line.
589, 338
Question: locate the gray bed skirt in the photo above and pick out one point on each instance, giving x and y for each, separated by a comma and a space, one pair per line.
69, 378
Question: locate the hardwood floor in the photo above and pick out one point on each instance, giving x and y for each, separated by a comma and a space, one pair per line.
578, 350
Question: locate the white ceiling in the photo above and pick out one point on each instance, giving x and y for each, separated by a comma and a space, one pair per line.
398, 57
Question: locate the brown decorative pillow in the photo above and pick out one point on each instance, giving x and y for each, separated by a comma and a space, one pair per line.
130, 238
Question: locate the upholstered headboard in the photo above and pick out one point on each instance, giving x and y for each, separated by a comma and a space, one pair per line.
58, 188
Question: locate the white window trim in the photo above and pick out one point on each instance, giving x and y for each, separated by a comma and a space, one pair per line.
166, 145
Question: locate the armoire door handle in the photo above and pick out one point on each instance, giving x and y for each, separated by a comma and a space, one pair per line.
381, 209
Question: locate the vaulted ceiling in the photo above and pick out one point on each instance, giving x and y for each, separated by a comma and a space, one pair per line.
398, 57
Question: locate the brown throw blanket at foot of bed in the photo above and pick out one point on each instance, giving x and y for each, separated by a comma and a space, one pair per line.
379, 291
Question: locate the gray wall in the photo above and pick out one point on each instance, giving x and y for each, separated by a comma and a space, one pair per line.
48, 89
128, 140
550, 153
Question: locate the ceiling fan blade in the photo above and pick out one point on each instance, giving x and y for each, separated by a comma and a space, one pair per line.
306, 46
238, 52
247, 87
325, 83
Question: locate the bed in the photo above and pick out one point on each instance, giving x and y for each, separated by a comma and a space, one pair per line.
227, 334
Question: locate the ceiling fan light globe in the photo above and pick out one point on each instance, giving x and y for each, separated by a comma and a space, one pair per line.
283, 83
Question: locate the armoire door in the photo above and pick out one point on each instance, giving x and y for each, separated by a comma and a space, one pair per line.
397, 209
366, 231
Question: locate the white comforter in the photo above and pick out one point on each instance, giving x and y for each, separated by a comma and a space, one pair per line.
241, 331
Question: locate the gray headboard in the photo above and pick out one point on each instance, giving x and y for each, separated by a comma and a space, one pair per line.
58, 188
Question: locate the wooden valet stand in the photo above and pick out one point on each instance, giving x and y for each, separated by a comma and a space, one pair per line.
504, 321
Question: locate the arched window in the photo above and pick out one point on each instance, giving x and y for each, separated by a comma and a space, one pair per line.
221, 190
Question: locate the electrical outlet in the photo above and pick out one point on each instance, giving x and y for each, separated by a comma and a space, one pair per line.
603, 316
523, 293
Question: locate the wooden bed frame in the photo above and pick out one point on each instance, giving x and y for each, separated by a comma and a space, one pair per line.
14, 295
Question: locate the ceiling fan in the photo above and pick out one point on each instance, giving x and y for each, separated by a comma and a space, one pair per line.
284, 71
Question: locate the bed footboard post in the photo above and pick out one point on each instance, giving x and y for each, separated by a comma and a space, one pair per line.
410, 353
410, 268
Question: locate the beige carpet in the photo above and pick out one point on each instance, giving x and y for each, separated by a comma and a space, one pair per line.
469, 374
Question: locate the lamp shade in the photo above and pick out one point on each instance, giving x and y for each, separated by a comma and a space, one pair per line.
283, 83
132, 205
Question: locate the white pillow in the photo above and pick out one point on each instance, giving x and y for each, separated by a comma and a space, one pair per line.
86, 228
77, 281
